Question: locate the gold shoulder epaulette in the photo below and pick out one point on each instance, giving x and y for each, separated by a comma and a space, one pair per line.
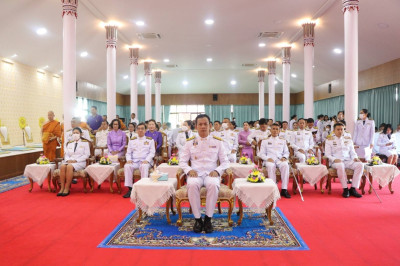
149, 138
347, 137
133, 138
315, 127
84, 140
181, 131
69, 130
218, 138
329, 137
191, 138
236, 130
194, 130
70, 142
281, 137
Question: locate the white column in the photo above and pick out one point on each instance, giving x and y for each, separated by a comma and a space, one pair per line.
350, 10
157, 76
134, 58
271, 88
147, 93
261, 75
286, 83
308, 34
111, 44
69, 16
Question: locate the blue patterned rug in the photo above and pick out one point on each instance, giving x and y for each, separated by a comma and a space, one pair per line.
11, 183
254, 233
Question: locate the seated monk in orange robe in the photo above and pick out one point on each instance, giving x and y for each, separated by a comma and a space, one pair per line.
51, 130
123, 126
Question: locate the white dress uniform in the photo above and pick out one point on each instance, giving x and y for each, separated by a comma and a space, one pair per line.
396, 136
216, 133
364, 137
181, 139
291, 122
203, 153
139, 150
343, 148
85, 135
131, 135
231, 142
78, 151
258, 135
286, 134
316, 134
275, 148
375, 149
387, 150
302, 139
101, 141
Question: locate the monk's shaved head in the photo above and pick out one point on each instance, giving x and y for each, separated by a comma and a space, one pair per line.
50, 115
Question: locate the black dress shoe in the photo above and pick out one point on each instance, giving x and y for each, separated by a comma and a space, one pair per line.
74, 181
127, 195
59, 194
285, 193
354, 193
346, 193
208, 227
65, 194
198, 225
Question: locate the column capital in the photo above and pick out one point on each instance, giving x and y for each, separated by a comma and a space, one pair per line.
261, 75
157, 76
271, 67
286, 53
350, 5
134, 55
70, 7
111, 35
308, 33
147, 68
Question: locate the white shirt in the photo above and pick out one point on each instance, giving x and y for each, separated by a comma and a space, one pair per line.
141, 149
258, 135
364, 133
230, 140
396, 136
135, 121
286, 134
383, 139
340, 148
78, 154
302, 139
204, 154
181, 138
101, 138
131, 135
273, 148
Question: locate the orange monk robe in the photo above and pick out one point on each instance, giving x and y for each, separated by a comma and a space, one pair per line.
84, 125
123, 126
51, 129
62, 139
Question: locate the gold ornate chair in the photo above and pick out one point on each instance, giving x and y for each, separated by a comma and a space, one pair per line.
225, 194
164, 148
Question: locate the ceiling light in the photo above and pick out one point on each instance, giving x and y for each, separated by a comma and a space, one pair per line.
139, 23
166, 60
337, 51
294, 76
276, 82
45, 67
313, 66
185, 83
126, 77
61, 71
84, 54
41, 31
209, 21
14, 55
261, 44
209, 59
143, 83
233, 82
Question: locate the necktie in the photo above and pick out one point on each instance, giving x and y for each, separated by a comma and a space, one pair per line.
130, 135
187, 135
76, 144
364, 122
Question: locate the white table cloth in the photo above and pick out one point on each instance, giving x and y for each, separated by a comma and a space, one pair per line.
384, 173
256, 196
39, 172
169, 169
100, 172
149, 195
312, 173
241, 170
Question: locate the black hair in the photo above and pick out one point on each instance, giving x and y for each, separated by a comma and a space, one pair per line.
310, 120
246, 123
263, 121
133, 124
142, 124
320, 116
77, 128
340, 112
343, 122
275, 124
203, 116
105, 121
301, 119
233, 124
95, 107
216, 121
152, 120
365, 111
338, 125
119, 123
283, 122
190, 124
382, 125
293, 116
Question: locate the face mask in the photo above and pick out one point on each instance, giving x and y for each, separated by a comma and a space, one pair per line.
76, 136
224, 125
184, 128
361, 116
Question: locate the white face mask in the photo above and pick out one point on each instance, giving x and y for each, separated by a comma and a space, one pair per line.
184, 128
76, 136
224, 125
361, 116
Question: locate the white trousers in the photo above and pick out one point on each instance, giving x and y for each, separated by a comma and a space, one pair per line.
358, 168
283, 168
130, 168
364, 152
302, 157
232, 157
194, 184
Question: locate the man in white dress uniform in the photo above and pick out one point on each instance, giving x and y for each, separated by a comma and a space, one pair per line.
203, 151
363, 137
302, 142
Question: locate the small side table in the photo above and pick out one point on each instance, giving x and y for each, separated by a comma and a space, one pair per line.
384, 174
312, 174
169, 169
100, 172
241, 170
149, 195
38, 172
259, 197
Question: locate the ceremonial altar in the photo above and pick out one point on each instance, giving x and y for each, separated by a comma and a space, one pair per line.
149, 195
383, 173
259, 197
38, 172
312, 174
100, 172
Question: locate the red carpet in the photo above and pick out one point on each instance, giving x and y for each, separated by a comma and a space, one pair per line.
39, 228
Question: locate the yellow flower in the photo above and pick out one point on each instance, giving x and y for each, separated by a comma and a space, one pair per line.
41, 121
22, 122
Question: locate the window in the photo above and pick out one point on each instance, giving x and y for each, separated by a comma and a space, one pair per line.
180, 113
81, 109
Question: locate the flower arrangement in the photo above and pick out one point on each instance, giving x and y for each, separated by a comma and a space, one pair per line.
105, 160
22, 122
173, 160
312, 161
375, 161
41, 121
42, 160
245, 160
256, 176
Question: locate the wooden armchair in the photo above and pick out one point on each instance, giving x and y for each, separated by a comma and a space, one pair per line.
82, 174
164, 148
225, 194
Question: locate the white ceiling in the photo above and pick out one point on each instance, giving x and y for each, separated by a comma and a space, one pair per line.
187, 41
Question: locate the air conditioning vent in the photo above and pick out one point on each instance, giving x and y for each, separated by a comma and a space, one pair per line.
249, 65
149, 36
171, 66
270, 34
